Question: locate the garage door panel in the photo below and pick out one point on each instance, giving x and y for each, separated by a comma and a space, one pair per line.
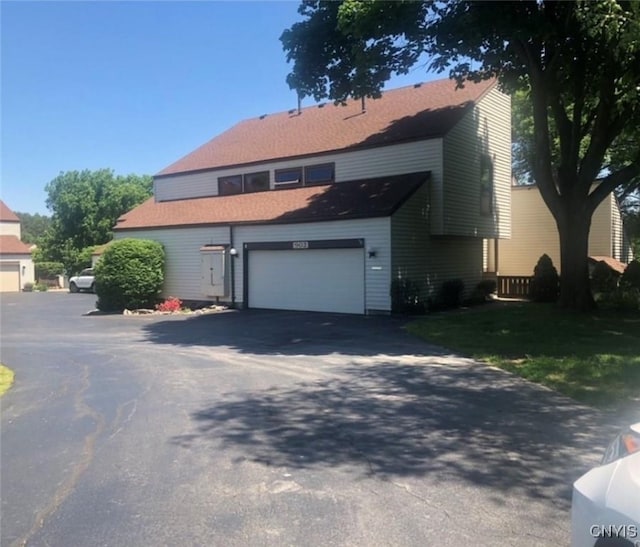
9, 277
325, 280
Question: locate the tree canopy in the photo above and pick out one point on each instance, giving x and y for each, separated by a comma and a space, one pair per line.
576, 64
85, 206
33, 226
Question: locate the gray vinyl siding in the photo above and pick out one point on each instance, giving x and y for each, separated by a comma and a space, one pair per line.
486, 129
182, 277
427, 260
395, 159
374, 231
182, 253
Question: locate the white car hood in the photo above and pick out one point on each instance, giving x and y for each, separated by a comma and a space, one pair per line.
613, 490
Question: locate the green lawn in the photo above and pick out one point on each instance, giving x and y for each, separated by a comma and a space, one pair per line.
594, 358
6, 378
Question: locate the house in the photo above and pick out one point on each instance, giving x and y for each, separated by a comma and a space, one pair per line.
326, 208
534, 233
98, 252
16, 266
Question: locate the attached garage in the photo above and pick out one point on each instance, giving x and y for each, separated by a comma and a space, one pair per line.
9, 276
306, 276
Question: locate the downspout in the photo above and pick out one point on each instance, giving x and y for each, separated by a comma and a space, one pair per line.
233, 268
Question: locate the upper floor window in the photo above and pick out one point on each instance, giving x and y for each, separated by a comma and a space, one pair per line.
319, 174
237, 184
256, 182
230, 185
486, 185
286, 178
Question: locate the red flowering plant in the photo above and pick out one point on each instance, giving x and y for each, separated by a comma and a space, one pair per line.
171, 304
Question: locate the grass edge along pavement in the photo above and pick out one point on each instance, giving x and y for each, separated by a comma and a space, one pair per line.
6, 378
593, 358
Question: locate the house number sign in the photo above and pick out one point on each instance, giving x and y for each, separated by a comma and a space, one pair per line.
300, 244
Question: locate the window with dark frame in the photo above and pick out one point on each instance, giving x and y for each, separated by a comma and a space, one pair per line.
256, 182
230, 185
486, 185
288, 178
319, 174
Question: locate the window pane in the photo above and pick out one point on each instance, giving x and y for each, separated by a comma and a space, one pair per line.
486, 185
286, 177
318, 174
230, 185
256, 182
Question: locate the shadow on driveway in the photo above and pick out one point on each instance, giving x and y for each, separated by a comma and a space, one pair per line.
463, 423
268, 332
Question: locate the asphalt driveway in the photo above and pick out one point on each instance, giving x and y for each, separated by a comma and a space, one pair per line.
273, 428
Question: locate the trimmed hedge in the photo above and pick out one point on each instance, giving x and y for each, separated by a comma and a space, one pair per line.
545, 285
48, 270
130, 275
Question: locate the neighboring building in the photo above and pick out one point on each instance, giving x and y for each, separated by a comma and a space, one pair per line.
325, 207
534, 233
16, 266
97, 253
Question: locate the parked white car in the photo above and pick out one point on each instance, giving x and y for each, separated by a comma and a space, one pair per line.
84, 281
605, 511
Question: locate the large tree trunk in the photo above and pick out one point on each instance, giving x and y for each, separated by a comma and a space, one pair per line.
573, 228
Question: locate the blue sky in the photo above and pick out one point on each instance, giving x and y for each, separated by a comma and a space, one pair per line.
132, 86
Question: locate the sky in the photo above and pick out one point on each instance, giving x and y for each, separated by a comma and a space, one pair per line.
132, 86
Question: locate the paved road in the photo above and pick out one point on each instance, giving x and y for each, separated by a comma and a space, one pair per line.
272, 428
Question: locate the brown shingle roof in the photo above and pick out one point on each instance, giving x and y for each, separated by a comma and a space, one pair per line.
613, 263
12, 245
6, 214
407, 113
338, 201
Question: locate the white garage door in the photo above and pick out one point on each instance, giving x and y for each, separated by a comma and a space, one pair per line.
9, 277
325, 280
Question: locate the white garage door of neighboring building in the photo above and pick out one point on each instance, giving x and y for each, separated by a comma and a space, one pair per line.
9, 277
324, 280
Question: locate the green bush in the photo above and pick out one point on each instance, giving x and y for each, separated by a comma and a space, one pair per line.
48, 270
130, 275
631, 277
487, 287
41, 287
451, 294
620, 299
405, 297
602, 278
545, 285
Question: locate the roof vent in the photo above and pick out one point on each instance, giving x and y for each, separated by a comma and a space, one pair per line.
291, 111
263, 116
419, 84
321, 105
364, 108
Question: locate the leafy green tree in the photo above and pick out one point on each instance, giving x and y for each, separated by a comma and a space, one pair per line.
577, 64
33, 226
130, 275
85, 207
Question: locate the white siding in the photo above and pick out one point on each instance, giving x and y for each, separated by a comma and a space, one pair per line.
182, 256
486, 129
10, 229
374, 231
374, 162
621, 249
26, 267
430, 260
